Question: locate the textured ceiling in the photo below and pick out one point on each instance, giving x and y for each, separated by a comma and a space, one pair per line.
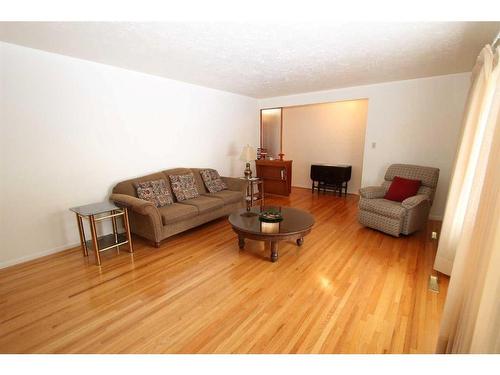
262, 60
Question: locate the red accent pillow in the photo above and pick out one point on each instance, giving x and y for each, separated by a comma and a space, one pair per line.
402, 188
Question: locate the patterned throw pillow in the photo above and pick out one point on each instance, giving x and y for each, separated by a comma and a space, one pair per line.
212, 180
154, 191
184, 186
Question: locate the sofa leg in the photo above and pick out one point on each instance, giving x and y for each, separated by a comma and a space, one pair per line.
157, 244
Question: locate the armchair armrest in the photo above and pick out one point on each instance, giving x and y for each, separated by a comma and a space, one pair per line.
414, 201
371, 192
235, 184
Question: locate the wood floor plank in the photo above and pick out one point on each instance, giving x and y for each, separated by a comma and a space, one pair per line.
348, 289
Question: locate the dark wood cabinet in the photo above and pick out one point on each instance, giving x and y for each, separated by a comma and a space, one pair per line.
277, 175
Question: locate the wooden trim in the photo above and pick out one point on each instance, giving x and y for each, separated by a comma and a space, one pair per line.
281, 126
281, 132
261, 128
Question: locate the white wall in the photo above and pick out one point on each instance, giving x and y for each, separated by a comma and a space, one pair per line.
71, 129
415, 121
329, 133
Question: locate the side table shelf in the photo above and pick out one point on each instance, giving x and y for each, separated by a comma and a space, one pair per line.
108, 242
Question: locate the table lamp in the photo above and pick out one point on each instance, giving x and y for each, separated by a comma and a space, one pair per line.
247, 155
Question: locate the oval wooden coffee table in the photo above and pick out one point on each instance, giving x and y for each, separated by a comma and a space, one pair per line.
295, 225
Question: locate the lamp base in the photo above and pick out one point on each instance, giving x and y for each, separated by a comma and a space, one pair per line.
248, 171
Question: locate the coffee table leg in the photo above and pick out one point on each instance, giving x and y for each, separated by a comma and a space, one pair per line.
241, 242
300, 241
274, 251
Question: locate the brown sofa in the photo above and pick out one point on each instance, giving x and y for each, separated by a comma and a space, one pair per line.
156, 224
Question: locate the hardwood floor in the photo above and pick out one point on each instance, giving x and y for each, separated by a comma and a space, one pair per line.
348, 289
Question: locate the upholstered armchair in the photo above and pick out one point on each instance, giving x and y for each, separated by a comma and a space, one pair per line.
404, 217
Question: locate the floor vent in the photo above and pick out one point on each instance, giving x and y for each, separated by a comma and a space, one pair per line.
433, 284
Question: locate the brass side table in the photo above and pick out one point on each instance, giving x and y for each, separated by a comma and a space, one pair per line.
255, 191
103, 243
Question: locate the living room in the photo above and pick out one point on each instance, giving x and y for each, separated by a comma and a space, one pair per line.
148, 141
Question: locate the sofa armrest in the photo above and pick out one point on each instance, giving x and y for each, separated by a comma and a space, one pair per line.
140, 206
371, 192
235, 184
414, 201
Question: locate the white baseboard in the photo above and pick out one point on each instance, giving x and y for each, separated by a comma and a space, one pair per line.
27, 258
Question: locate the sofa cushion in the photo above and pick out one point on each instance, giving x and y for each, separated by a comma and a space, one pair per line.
204, 203
383, 207
155, 191
177, 212
402, 188
228, 196
184, 186
195, 171
212, 180
128, 187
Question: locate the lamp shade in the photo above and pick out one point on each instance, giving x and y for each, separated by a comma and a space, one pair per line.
247, 154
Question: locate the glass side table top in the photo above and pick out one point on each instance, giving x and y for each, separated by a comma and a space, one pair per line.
95, 208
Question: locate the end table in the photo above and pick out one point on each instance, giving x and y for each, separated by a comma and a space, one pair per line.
103, 243
255, 191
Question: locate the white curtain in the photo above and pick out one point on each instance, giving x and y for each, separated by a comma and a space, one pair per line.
465, 175
469, 247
